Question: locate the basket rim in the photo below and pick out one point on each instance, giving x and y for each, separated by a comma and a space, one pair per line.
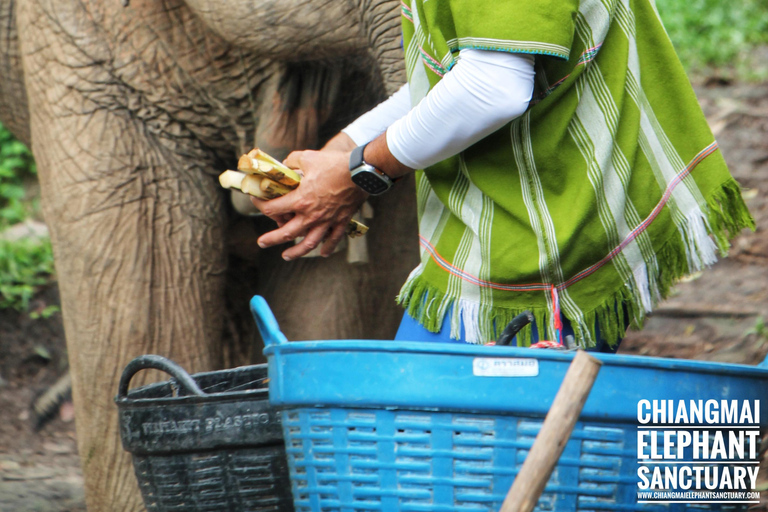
449, 349
221, 396
235, 396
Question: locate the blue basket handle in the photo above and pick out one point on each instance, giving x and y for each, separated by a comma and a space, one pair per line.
145, 362
266, 322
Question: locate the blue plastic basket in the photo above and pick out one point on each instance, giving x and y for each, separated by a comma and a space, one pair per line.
385, 425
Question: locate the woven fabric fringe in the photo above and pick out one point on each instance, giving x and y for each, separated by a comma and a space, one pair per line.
725, 217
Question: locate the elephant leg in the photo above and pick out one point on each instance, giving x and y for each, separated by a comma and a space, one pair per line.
138, 241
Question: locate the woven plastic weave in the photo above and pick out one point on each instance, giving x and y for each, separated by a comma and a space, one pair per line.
209, 442
439, 427
346, 459
216, 481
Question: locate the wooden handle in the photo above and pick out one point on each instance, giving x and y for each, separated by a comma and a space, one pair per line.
554, 434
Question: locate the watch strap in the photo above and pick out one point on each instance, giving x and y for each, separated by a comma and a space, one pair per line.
356, 158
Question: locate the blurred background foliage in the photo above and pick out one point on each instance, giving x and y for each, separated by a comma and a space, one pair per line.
16, 167
724, 38
721, 39
25, 263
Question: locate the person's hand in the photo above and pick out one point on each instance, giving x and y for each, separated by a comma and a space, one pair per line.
319, 209
340, 142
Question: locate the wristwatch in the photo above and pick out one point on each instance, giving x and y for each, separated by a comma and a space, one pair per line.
366, 176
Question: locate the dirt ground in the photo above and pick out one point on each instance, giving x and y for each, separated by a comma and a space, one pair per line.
716, 316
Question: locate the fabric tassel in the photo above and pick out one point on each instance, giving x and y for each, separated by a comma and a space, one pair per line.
651, 281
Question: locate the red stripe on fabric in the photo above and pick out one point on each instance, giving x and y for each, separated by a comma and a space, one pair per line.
592, 54
648, 220
435, 66
445, 265
406, 11
473, 279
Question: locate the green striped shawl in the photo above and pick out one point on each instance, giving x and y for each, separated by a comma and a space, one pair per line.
607, 190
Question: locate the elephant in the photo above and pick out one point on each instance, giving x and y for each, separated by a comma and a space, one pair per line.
132, 109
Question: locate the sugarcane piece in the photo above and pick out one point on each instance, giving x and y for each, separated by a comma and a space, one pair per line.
231, 179
250, 165
262, 176
247, 165
262, 156
247, 183
260, 162
252, 186
357, 248
270, 187
356, 229
276, 169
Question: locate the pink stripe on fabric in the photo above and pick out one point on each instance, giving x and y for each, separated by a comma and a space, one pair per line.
444, 264
406, 12
647, 222
476, 280
432, 64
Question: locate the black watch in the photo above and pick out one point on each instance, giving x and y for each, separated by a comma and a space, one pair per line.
366, 176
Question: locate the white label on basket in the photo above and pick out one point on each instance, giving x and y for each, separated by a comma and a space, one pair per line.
505, 367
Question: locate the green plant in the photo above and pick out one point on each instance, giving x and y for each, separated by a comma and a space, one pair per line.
717, 33
16, 166
46, 313
25, 265
760, 330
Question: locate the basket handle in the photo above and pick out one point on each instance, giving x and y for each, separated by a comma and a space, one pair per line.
266, 322
148, 361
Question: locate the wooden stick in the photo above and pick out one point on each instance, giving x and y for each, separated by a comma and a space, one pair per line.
554, 434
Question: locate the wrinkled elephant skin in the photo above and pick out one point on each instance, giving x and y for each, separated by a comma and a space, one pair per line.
131, 113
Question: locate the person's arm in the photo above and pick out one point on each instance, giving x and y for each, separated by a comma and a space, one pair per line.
376, 121
484, 91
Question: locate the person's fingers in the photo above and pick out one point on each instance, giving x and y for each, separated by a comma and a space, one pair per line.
257, 202
333, 239
313, 239
291, 230
283, 219
293, 160
277, 207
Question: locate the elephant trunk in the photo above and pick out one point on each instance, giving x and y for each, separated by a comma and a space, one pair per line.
381, 22
286, 30
296, 30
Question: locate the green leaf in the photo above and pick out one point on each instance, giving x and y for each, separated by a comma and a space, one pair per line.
25, 266
14, 162
48, 312
16, 168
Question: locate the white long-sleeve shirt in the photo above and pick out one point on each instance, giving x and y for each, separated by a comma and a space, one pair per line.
483, 92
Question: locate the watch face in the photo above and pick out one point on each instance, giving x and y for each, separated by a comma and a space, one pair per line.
369, 181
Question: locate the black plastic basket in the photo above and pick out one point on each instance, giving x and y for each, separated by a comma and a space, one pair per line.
206, 442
